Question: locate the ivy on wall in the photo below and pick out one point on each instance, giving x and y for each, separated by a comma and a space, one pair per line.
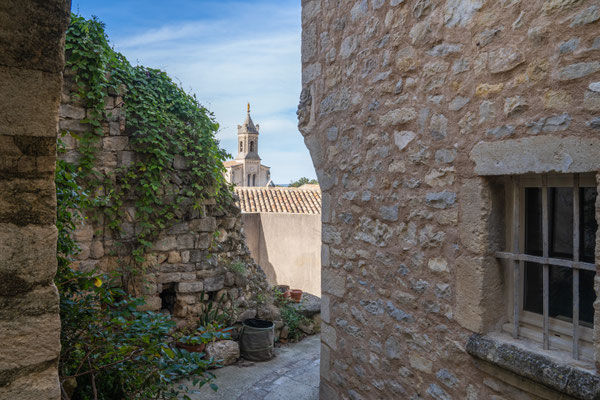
162, 121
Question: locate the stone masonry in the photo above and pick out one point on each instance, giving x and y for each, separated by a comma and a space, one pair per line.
32, 47
408, 107
192, 257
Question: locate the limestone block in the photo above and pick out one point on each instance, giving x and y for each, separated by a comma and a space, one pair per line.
96, 249
71, 111
29, 340
152, 303
42, 300
536, 155
578, 70
115, 143
329, 336
225, 352
125, 158
333, 282
203, 241
190, 287
30, 110
36, 385
27, 257
475, 208
27, 201
207, 224
212, 284
166, 243
174, 257
186, 241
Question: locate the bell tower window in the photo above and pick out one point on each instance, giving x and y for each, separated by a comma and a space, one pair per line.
241, 147
251, 146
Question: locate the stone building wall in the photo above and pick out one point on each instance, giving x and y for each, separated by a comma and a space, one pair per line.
408, 108
31, 44
193, 257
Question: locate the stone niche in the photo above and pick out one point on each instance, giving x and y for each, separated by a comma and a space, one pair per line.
189, 259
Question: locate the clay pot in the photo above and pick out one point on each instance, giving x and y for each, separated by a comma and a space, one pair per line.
296, 295
192, 348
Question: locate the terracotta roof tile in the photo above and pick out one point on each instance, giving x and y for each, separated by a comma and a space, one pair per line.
279, 200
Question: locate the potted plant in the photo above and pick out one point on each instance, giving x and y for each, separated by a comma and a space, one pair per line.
296, 295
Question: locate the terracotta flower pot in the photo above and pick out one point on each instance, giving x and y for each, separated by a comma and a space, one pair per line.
192, 348
296, 295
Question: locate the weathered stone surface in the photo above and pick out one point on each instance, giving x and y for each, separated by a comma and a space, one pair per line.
501, 131
398, 117
440, 199
460, 12
189, 287
550, 372
504, 60
407, 289
21, 270
536, 155
224, 352
403, 138
578, 70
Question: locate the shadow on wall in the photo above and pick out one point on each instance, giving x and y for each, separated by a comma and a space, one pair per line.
287, 247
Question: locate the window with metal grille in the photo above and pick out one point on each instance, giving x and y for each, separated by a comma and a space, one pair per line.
551, 256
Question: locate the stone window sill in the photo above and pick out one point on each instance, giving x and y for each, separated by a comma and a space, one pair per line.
548, 368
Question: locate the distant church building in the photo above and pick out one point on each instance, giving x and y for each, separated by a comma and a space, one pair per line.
246, 169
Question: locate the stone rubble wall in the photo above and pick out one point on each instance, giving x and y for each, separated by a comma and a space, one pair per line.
192, 257
396, 95
32, 45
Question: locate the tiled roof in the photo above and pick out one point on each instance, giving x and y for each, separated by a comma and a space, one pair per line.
279, 200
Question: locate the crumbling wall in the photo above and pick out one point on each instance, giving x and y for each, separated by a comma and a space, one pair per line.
31, 44
195, 256
402, 104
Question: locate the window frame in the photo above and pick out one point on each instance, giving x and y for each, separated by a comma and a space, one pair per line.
551, 332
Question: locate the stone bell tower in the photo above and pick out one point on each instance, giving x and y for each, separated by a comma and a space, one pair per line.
246, 169
248, 139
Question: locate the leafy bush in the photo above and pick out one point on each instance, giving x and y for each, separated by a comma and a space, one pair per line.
290, 315
109, 349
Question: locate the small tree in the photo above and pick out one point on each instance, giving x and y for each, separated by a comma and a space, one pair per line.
303, 181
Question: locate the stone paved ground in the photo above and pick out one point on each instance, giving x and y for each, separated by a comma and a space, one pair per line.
292, 374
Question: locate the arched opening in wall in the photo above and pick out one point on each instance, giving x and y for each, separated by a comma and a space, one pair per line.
253, 180
251, 146
248, 180
168, 297
241, 147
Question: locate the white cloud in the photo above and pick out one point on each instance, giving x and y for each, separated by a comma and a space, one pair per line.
249, 54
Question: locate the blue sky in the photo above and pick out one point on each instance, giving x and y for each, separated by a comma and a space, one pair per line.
227, 53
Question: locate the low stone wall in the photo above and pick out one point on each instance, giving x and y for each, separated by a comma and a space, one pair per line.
192, 258
287, 247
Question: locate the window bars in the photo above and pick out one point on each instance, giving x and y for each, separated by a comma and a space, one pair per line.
518, 258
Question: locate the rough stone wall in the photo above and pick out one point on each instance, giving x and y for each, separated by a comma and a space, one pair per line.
31, 44
401, 100
189, 258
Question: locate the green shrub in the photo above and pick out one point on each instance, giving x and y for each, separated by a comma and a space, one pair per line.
109, 349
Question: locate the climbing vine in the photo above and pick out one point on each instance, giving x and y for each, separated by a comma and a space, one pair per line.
163, 122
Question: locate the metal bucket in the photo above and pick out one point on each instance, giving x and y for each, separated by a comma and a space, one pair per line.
257, 340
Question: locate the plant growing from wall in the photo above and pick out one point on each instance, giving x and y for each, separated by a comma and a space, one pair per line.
109, 350
162, 121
